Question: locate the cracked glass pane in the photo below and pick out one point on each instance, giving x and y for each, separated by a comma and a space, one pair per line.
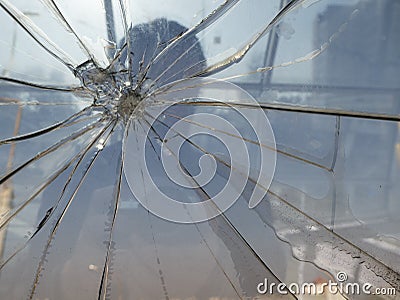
207, 150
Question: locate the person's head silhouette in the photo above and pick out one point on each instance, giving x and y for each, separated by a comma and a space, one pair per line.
148, 40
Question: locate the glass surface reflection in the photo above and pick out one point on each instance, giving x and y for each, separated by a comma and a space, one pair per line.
74, 74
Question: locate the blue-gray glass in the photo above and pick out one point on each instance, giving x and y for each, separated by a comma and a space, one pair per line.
81, 79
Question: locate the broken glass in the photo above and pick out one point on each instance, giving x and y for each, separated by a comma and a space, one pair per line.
83, 83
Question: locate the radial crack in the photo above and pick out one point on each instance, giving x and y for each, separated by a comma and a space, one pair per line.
80, 157
103, 294
65, 123
63, 213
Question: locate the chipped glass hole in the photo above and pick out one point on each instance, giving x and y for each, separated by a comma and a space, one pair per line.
74, 77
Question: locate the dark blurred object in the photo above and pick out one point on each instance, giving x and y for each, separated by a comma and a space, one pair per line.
149, 39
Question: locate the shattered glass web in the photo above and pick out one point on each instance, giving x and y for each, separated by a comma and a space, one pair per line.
326, 74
